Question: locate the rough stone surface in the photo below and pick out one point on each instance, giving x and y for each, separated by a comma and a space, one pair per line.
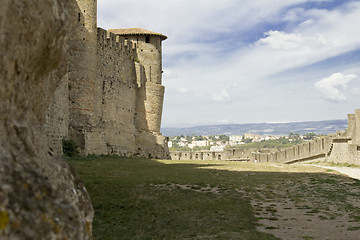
114, 98
340, 147
41, 197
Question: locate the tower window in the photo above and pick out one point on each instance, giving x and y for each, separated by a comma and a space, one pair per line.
79, 17
147, 39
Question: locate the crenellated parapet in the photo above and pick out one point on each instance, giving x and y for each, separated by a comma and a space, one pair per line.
339, 147
112, 96
117, 44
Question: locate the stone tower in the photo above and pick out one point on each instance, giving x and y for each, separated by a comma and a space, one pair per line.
151, 93
82, 64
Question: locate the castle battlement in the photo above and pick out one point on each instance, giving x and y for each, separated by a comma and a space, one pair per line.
109, 39
112, 96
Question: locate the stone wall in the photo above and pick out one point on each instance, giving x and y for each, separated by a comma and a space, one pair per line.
340, 147
117, 75
111, 98
311, 149
41, 197
57, 115
346, 148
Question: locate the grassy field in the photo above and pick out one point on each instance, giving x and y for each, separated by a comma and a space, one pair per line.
167, 199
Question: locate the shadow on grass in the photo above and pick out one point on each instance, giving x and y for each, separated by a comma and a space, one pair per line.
146, 199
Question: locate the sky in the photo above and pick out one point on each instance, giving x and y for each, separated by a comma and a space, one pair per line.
247, 61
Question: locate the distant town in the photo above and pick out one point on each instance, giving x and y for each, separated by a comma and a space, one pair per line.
248, 140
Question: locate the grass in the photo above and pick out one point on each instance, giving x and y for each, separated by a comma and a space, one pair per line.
332, 164
167, 199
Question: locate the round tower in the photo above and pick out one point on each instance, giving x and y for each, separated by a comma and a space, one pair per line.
82, 64
149, 54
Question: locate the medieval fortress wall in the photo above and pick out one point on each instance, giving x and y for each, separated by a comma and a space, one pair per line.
340, 147
110, 100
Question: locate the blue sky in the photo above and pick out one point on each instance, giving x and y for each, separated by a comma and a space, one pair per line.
242, 61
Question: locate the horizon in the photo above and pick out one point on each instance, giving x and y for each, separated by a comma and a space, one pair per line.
250, 61
344, 119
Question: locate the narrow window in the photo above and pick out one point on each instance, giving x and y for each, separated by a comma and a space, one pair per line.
150, 73
147, 39
79, 17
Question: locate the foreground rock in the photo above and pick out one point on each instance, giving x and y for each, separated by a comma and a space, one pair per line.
40, 196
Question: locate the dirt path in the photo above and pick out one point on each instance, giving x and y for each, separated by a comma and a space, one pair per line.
313, 208
351, 172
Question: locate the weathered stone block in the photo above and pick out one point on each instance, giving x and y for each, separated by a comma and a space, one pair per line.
41, 197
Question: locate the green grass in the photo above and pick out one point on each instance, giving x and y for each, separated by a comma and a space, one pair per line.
332, 164
167, 199
133, 199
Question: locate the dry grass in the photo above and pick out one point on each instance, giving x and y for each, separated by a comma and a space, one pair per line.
168, 199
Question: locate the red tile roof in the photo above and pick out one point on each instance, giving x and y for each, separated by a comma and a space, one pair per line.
136, 31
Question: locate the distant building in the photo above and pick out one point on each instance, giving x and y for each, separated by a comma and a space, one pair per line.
217, 148
252, 136
235, 138
201, 143
170, 144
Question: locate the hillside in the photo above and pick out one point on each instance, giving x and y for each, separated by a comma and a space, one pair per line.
319, 127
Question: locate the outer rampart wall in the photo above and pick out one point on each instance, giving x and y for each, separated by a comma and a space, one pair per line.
109, 101
116, 103
334, 147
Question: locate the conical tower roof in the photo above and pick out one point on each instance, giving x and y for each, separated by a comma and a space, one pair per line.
136, 31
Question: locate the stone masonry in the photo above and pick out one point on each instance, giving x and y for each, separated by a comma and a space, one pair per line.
41, 197
110, 100
340, 147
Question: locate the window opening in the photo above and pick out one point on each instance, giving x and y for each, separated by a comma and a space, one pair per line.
147, 39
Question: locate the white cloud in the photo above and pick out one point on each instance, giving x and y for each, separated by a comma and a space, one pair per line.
294, 14
187, 22
306, 23
221, 97
223, 121
182, 90
289, 41
213, 54
169, 74
332, 87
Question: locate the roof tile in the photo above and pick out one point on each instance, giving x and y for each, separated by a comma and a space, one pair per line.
136, 31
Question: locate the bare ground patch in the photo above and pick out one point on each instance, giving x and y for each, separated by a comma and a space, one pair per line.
311, 209
320, 204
